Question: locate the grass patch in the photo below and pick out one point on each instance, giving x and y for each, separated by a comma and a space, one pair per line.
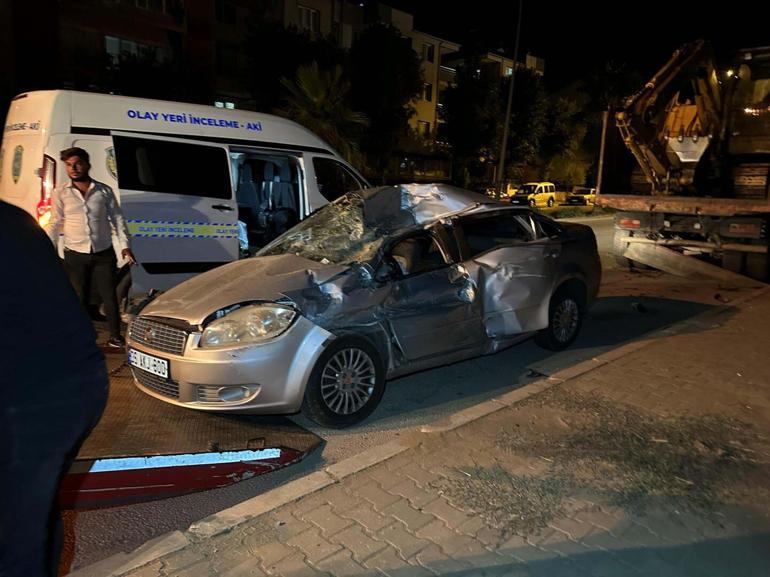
511, 504
577, 212
634, 457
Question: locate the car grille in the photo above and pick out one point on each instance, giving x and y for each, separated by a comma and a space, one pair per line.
209, 394
158, 336
165, 387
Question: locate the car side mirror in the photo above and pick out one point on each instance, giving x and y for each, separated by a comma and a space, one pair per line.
458, 272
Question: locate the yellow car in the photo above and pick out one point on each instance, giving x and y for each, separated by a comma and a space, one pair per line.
537, 194
582, 196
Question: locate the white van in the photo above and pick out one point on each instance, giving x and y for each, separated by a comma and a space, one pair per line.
184, 174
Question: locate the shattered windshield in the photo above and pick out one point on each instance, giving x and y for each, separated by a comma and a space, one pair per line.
336, 234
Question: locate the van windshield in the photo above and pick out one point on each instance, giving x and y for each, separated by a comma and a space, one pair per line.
527, 189
336, 234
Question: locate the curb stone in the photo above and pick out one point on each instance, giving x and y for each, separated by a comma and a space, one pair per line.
123, 563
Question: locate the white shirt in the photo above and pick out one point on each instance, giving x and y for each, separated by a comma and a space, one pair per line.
87, 222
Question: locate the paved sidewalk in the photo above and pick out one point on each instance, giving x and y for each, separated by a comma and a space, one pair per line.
657, 463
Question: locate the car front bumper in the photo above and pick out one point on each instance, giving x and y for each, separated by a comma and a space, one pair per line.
265, 378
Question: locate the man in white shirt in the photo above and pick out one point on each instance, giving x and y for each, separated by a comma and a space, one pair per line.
86, 214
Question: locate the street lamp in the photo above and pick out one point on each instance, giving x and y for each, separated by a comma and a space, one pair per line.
504, 146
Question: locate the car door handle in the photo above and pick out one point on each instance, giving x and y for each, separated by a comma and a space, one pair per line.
222, 207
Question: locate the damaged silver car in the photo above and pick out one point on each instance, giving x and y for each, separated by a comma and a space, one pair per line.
378, 284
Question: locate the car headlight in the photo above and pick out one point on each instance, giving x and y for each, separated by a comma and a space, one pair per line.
248, 325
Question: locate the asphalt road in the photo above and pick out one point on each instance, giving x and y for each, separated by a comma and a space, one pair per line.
631, 306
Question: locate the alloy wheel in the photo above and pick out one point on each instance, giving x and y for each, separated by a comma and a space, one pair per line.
348, 381
565, 320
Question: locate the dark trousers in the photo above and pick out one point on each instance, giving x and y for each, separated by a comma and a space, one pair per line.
41, 438
101, 269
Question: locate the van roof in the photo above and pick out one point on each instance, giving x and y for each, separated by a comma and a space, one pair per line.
90, 112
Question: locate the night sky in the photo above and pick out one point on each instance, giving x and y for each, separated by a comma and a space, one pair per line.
576, 37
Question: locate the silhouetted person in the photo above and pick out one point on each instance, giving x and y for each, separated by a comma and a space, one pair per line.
54, 387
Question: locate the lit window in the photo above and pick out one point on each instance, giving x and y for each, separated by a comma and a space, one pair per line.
427, 91
310, 19
117, 48
428, 52
423, 127
508, 70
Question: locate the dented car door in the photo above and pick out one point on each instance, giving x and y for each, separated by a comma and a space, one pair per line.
513, 268
433, 307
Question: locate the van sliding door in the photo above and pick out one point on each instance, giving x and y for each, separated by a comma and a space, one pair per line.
177, 197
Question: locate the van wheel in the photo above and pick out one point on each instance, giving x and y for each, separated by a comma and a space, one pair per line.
346, 385
550, 202
565, 317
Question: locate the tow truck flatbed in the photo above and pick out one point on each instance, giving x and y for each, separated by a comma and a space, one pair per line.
145, 449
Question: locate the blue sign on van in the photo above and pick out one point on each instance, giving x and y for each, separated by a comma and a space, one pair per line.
193, 119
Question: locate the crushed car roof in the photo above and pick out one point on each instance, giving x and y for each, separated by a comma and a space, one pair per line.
407, 205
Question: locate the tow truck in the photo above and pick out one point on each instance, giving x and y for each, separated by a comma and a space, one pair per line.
144, 449
685, 162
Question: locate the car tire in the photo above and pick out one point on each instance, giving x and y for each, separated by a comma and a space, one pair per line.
565, 318
619, 244
550, 202
336, 400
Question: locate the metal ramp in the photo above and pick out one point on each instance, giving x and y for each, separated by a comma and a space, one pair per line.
673, 262
145, 449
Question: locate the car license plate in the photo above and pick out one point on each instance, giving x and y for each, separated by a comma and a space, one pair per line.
148, 363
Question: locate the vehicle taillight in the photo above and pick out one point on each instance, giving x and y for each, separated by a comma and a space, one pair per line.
629, 223
47, 184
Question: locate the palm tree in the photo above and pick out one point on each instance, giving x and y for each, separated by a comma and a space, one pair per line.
318, 99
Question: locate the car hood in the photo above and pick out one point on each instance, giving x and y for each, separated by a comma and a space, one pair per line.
268, 278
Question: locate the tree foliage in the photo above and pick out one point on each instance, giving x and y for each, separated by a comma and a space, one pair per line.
276, 52
472, 107
528, 125
320, 101
385, 77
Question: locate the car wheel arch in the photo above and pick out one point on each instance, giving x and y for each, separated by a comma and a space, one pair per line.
551, 337
314, 403
576, 286
375, 335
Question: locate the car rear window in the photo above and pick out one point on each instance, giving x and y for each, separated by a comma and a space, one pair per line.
485, 232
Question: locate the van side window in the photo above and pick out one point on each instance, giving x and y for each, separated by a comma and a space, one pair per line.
172, 167
333, 178
267, 191
486, 232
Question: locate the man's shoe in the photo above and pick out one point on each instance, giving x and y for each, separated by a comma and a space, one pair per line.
116, 342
